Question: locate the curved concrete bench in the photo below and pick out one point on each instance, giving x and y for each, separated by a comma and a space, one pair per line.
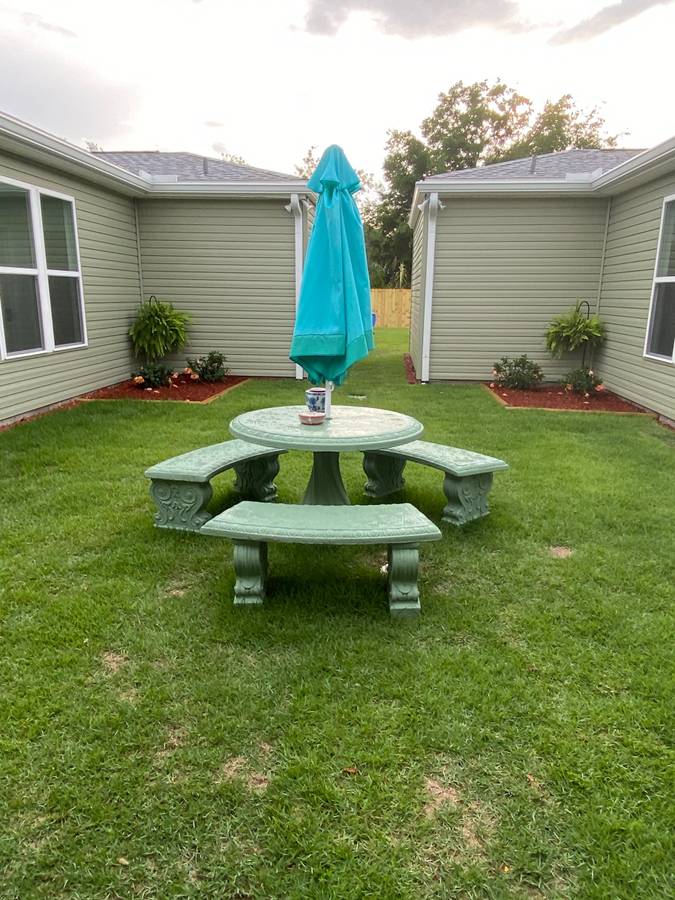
467, 483
181, 486
251, 525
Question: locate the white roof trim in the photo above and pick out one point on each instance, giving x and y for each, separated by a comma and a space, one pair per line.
543, 187
642, 167
24, 139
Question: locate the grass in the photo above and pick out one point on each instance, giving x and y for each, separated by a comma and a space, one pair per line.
513, 743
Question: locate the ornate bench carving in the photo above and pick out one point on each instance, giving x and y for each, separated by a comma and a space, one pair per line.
467, 482
181, 486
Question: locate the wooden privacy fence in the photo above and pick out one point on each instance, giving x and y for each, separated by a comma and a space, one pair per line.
392, 306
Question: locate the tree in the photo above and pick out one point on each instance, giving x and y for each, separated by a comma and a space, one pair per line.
473, 121
472, 124
226, 156
560, 126
388, 238
309, 162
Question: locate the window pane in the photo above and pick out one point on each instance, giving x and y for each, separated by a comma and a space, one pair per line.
20, 312
662, 337
16, 239
57, 223
666, 264
64, 294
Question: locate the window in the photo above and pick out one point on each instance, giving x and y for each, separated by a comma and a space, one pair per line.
41, 305
661, 331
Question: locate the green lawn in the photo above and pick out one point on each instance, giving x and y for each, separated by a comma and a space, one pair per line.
515, 742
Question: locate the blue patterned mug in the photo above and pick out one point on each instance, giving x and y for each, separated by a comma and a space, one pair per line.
315, 399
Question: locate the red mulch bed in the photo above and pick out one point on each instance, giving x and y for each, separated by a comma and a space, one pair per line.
182, 389
554, 397
410, 374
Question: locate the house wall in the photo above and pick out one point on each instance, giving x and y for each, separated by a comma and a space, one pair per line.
417, 291
630, 257
107, 238
230, 265
504, 267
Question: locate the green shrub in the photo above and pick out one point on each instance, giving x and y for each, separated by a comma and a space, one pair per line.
581, 381
152, 375
210, 367
573, 331
159, 329
517, 372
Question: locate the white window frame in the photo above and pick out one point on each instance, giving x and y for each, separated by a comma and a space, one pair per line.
42, 274
659, 279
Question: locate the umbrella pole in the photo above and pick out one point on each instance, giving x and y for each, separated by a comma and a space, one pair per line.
329, 397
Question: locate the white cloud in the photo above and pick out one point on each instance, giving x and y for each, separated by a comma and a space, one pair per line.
250, 76
416, 19
32, 20
606, 18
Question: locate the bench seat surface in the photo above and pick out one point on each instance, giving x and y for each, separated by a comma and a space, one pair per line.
202, 464
399, 523
449, 459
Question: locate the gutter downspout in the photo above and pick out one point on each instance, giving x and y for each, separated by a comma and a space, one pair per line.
295, 208
432, 209
602, 257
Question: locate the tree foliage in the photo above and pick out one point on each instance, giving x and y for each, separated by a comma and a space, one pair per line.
472, 125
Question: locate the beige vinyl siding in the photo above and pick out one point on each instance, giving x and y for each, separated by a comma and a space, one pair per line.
230, 265
417, 291
107, 238
630, 257
503, 268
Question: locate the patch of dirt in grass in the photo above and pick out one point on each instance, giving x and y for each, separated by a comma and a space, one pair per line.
176, 589
477, 826
238, 768
476, 823
257, 782
112, 661
534, 783
439, 794
175, 738
129, 696
560, 552
162, 664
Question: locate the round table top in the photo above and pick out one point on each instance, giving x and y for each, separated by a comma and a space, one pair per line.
349, 428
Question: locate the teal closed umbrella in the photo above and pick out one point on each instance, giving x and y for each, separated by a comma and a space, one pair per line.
333, 325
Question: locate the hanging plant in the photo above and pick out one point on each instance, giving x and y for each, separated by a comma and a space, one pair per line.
159, 329
574, 330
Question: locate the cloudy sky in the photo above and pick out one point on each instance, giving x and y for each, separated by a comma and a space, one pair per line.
265, 79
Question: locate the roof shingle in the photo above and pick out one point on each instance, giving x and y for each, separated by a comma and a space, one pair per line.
189, 167
548, 165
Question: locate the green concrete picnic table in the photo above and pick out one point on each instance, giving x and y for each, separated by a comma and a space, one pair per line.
359, 428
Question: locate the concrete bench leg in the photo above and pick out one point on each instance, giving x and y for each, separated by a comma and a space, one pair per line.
385, 474
181, 504
250, 569
404, 595
255, 478
467, 497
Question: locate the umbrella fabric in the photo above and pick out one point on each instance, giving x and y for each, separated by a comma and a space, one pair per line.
333, 326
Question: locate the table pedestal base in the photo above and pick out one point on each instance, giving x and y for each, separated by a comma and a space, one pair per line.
326, 487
